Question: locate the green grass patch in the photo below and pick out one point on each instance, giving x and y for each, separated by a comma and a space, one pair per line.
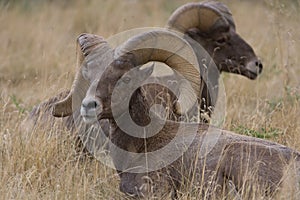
17, 103
264, 133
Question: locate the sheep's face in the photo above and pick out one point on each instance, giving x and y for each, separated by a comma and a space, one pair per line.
98, 102
228, 50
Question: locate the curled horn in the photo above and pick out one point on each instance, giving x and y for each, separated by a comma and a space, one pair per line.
200, 15
169, 48
87, 43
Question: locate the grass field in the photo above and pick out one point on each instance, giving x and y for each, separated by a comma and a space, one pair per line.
37, 60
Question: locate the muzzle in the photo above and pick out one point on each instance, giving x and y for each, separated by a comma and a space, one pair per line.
90, 108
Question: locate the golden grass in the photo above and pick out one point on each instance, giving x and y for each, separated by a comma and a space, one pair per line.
37, 59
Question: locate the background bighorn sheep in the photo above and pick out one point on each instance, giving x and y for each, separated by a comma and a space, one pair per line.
212, 26
234, 158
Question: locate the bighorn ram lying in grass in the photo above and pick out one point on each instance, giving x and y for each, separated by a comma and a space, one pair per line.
212, 26
233, 159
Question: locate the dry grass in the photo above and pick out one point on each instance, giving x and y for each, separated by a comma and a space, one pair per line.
37, 59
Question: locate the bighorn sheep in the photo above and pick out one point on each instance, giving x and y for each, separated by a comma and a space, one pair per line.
234, 158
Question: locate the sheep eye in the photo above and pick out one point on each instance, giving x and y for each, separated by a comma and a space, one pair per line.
221, 41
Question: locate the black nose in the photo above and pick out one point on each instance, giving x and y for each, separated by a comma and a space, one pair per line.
259, 65
90, 104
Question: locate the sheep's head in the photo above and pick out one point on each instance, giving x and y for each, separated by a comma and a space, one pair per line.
129, 57
211, 24
111, 64
103, 68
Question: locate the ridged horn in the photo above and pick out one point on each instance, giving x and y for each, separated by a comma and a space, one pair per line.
201, 15
169, 48
86, 43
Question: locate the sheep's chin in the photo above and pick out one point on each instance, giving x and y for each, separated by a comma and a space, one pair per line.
251, 75
89, 119
249, 71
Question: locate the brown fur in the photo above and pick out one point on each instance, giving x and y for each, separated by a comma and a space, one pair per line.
245, 161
